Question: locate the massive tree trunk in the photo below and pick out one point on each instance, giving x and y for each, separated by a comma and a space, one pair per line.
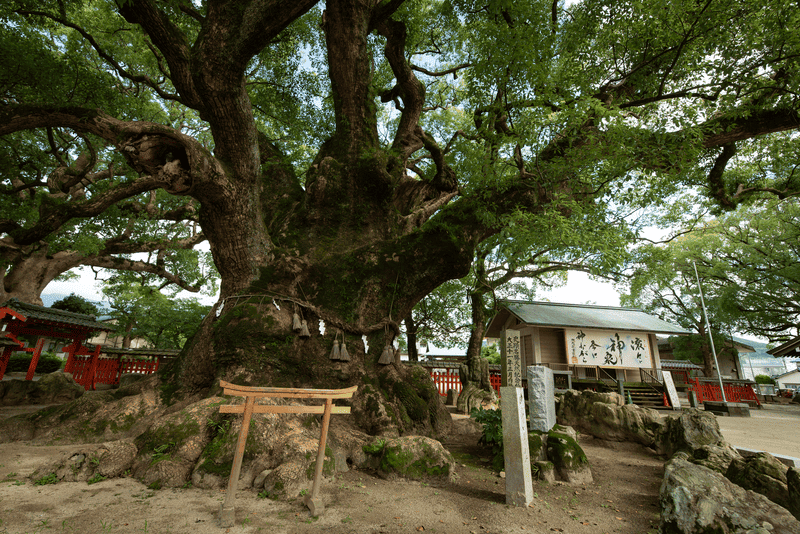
345, 252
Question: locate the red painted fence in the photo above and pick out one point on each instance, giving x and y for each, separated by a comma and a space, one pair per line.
707, 391
449, 379
108, 370
446, 379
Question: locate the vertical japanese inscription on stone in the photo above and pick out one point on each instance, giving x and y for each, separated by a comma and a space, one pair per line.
511, 359
519, 483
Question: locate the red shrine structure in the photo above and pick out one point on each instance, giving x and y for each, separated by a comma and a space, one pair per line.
21, 321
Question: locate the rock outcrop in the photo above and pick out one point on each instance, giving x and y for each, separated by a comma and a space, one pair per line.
697, 433
764, 474
606, 416
556, 455
91, 463
698, 500
53, 388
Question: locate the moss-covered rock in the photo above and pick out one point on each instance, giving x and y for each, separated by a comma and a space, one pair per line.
417, 458
544, 471
403, 400
92, 462
170, 447
687, 431
568, 458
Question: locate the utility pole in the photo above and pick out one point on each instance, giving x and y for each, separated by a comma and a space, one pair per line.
710, 337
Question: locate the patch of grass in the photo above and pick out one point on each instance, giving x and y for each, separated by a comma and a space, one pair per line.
47, 479
95, 479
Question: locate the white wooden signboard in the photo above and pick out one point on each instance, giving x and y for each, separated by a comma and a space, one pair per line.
671, 391
608, 348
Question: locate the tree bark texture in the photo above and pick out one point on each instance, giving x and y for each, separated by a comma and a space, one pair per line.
477, 390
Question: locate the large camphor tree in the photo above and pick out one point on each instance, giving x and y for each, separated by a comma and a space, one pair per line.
349, 156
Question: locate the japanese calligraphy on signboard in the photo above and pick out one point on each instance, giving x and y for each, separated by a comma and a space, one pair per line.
608, 348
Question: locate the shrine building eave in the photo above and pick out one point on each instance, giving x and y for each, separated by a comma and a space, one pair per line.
558, 315
60, 323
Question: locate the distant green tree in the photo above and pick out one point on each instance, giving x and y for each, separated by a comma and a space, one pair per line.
76, 304
142, 311
764, 379
491, 353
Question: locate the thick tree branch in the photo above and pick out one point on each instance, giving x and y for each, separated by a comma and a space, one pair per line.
167, 158
715, 180
725, 130
440, 73
124, 264
172, 43
410, 89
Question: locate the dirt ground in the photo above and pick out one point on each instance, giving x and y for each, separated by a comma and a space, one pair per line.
623, 499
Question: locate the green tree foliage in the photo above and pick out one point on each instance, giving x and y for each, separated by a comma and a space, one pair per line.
764, 379
748, 262
663, 283
142, 311
76, 304
751, 260
491, 353
67, 198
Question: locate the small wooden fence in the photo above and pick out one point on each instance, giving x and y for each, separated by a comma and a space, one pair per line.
708, 391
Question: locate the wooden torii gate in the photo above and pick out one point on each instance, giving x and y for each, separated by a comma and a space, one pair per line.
312, 500
23, 319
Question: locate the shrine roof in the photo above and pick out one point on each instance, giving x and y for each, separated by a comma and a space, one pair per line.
790, 348
557, 315
42, 314
680, 364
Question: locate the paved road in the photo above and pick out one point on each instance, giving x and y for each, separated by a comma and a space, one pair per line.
775, 429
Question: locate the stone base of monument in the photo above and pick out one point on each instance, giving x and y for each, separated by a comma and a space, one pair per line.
733, 409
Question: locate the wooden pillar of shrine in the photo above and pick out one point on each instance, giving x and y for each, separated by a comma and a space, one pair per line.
5, 356
37, 351
71, 349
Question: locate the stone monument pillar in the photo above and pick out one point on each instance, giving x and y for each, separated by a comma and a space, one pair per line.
541, 398
519, 484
